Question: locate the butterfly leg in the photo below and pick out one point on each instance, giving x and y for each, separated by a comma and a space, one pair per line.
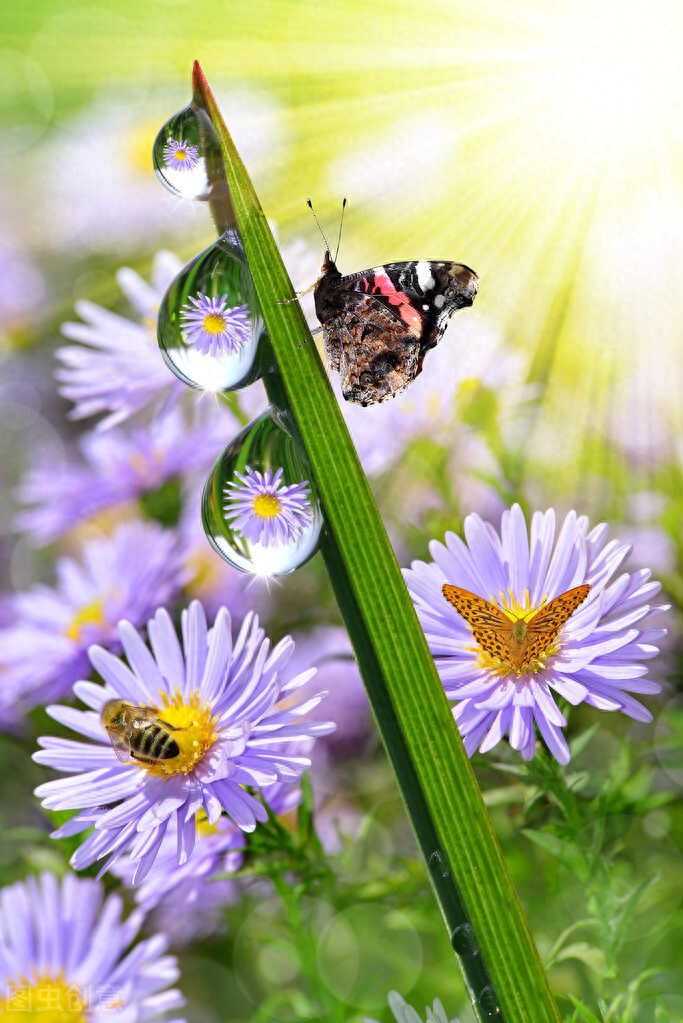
299, 294
318, 330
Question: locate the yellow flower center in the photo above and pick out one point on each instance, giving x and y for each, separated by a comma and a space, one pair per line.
91, 614
266, 506
180, 154
194, 729
137, 463
214, 323
203, 570
511, 607
204, 829
534, 666
46, 1000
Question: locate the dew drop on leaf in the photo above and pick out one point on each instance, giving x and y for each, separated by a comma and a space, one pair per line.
489, 1004
210, 322
260, 509
181, 150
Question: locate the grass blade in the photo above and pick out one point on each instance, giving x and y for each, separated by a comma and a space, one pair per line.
500, 964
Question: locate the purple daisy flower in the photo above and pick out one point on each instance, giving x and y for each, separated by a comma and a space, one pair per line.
43, 651
593, 655
264, 511
65, 954
96, 373
116, 467
184, 898
230, 712
212, 328
328, 647
180, 155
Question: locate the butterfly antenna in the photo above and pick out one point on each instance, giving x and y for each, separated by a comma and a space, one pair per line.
310, 206
341, 223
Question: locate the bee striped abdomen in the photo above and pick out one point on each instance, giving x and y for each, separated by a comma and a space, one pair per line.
157, 743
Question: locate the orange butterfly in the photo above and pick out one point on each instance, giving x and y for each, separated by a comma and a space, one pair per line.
515, 642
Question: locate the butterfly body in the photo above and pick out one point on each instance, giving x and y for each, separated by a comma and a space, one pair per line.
520, 641
378, 324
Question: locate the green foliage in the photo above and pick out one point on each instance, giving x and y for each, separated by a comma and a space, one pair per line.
369, 878
594, 825
164, 505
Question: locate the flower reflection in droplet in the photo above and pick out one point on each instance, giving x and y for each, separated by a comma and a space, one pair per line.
212, 326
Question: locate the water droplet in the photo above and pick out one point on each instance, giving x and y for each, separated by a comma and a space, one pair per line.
463, 941
489, 1003
260, 508
181, 151
210, 321
437, 866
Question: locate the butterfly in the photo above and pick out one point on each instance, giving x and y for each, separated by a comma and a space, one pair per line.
520, 641
379, 324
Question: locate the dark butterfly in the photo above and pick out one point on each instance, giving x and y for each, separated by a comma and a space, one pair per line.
379, 324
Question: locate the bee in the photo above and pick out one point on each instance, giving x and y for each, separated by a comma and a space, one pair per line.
138, 733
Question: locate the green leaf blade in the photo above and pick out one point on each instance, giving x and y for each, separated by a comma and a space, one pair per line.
442, 797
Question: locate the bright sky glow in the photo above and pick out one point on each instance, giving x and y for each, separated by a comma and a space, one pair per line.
538, 141
565, 193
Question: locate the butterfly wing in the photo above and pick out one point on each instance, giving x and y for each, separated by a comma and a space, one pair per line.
376, 355
379, 323
496, 634
423, 294
492, 629
545, 626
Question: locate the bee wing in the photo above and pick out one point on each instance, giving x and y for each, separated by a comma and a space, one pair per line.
154, 716
121, 748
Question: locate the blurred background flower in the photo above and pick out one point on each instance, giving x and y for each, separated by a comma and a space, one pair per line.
43, 649
66, 955
97, 378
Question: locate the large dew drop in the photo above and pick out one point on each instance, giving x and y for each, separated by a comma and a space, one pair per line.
181, 151
210, 322
260, 509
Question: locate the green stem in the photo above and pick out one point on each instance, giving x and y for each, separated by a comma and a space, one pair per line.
496, 953
305, 943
